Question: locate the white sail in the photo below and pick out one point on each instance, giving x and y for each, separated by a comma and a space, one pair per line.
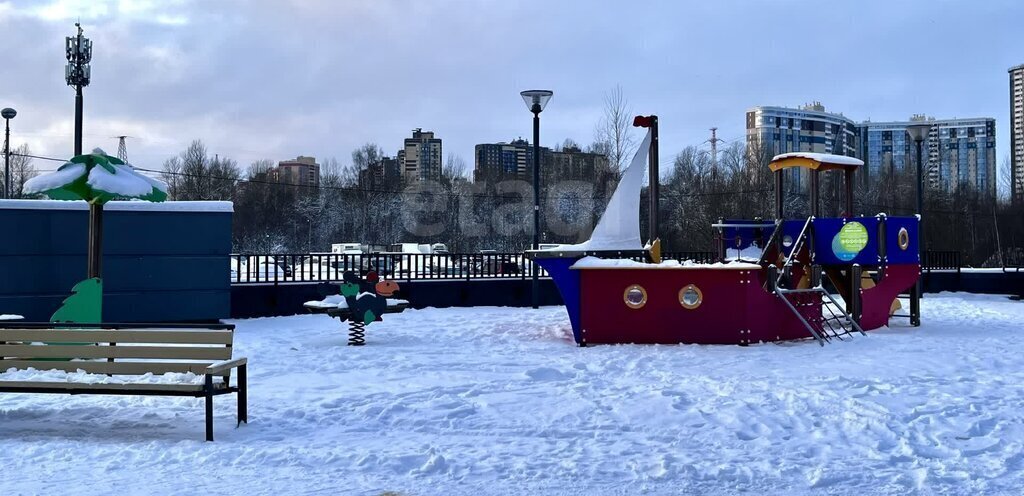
619, 227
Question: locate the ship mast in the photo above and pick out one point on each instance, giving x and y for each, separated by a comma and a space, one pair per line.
651, 122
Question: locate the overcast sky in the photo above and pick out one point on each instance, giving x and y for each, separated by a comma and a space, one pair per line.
275, 79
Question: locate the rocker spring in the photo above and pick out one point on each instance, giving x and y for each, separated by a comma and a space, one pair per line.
356, 334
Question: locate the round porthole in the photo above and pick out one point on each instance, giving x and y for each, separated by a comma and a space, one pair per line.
690, 297
903, 239
787, 241
635, 296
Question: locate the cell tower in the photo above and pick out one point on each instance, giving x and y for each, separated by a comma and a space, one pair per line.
714, 147
122, 148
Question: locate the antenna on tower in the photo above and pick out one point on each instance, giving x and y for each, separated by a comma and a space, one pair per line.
122, 148
714, 147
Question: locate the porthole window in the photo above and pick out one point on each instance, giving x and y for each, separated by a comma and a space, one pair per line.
690, 297
787, 241
903, 239
635, 296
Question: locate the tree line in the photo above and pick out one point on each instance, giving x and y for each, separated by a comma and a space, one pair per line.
695, 192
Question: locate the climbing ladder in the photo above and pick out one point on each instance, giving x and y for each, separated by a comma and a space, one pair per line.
810, 304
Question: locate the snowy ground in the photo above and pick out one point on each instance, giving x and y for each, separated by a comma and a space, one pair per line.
499, 401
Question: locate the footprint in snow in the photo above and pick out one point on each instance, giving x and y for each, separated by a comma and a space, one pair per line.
548, 374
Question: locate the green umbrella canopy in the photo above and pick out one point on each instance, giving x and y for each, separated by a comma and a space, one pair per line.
97, 178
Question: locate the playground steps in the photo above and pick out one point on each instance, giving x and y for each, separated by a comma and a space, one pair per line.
810, 304
820, 313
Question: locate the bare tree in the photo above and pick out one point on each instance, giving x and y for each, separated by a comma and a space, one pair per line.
569, 144
331, 172
193, 176
454, 169
21, 171
615, 126
259, 168
172, 176
1005, 184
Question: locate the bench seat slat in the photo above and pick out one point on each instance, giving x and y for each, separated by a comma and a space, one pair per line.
106, 351
126, 336
84, 386
112, 368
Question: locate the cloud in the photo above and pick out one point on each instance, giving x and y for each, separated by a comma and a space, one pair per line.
275, 79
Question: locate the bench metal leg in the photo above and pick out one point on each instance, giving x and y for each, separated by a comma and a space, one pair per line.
243, 403
209, 408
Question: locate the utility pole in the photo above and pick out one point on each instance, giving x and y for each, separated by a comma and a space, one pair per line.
714, 149
78, 73
122, 148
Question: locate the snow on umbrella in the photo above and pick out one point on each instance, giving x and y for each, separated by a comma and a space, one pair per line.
96, 178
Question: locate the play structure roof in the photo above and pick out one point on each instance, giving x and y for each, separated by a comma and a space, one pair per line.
814, 161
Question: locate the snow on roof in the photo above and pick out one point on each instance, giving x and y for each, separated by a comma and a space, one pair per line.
821, 157
610, 263
131, 206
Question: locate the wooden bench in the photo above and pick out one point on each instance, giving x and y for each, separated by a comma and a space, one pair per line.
126, 350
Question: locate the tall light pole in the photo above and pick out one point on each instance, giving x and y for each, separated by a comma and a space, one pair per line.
918, 132
536, 100
77, 73
8, 114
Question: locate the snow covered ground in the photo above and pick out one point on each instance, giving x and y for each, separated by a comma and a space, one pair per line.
499, 401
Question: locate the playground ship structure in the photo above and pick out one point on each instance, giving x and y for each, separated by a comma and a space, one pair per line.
618, 290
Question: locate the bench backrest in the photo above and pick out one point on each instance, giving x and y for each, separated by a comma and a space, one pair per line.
125, 350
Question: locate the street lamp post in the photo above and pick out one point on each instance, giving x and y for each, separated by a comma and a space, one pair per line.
8, 114
918, 132
536, 100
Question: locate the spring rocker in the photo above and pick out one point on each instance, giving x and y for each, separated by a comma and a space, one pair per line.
360, 303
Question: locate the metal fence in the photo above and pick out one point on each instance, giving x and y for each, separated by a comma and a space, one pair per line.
941, 260
330, 267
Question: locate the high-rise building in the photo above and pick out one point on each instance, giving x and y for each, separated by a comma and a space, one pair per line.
573, 164
421, 156
496, 162
303, 171
383, 174
1017, 132
776, 130
958, 152
501, 161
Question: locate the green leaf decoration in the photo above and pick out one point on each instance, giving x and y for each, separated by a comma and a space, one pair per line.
97, 178
84, 306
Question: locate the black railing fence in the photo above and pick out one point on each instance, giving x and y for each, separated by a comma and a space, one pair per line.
941, 260
326, 267
330, 267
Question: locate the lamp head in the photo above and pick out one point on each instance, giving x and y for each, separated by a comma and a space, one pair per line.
8, 113
536, 100
918, 132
